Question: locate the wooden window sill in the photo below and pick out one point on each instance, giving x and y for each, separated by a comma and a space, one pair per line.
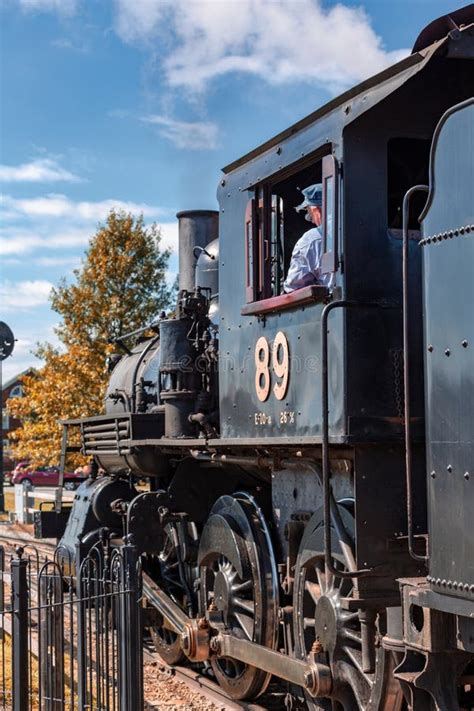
300, 297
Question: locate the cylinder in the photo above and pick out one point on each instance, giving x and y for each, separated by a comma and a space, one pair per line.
196, 229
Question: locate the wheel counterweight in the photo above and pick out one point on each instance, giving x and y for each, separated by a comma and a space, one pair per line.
239, 587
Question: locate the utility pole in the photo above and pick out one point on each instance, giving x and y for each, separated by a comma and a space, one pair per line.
7, 343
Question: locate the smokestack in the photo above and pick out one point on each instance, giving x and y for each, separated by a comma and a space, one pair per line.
196, 229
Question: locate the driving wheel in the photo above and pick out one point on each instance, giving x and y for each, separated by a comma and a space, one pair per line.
239, 587
174, 572
329, 628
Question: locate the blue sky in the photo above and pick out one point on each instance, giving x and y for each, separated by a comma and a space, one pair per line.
139, 103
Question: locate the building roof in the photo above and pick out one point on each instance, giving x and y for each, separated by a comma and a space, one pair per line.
16, 378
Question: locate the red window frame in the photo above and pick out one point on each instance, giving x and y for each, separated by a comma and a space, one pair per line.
330, 175
258, 216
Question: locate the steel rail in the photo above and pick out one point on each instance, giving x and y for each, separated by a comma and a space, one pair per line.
200, 683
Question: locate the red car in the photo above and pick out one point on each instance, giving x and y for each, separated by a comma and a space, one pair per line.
45, 476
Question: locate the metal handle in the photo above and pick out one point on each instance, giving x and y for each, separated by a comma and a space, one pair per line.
406, 371
325, 436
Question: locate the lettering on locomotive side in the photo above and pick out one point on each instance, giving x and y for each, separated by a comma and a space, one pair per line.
280, 364
287, 417
261, 418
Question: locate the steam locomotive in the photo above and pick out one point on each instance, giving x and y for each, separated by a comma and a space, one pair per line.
310, 456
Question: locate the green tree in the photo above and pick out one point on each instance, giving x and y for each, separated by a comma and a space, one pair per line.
119, 287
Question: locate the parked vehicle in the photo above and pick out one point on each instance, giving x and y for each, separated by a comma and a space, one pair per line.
45, 476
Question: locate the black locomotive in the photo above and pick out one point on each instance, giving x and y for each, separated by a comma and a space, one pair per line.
310, 456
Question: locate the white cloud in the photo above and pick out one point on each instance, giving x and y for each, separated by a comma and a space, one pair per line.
280, 42
58, 205
192, 135
21, 295
18, 240
62, 7
58, 261
169, 236
69, 44
42, 170
55, 221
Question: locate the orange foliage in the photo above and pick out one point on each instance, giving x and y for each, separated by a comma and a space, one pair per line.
120, 287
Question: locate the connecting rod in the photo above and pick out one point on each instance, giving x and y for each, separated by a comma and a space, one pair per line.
199, 641
315, 678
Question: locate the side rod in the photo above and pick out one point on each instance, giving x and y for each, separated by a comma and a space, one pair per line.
199, 640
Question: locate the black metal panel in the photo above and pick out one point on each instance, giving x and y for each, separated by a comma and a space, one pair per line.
380, 516
448, 261
109, 439
372, 250
299, 413
51, 524
365, 346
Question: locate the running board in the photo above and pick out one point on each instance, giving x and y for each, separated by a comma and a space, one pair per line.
199, 641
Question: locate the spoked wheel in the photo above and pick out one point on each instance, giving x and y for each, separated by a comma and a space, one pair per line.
333, 634
238, 580
176, 579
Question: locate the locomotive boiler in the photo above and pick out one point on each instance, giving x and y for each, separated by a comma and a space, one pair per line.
309, 456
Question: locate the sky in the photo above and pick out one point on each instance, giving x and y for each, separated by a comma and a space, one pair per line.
138, 104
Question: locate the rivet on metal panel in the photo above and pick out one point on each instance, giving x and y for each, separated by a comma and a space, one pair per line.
455, 585
471, 588
278, 150
464, 343
433, 475
443, 583
449, 468
466, 475
449, 583
447, 352
466, 587
430, 348
223, 182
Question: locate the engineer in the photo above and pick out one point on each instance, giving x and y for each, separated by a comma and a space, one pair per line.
305, 265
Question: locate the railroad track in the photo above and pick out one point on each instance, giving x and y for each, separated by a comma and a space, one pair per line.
13, 540
200, 683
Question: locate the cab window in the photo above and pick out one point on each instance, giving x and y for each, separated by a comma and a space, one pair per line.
272, 227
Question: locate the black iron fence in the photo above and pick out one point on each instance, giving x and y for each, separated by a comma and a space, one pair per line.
70, 629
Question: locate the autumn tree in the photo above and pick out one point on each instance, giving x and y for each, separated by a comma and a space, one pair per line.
119, 287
